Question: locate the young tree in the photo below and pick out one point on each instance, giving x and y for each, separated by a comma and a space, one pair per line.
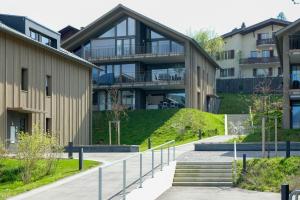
209, 41
118, 110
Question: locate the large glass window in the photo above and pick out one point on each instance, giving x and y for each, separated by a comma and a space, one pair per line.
103, 48
253, 54
121, 28
176, 47
265, 54
131, 26
295, 76
128, 99
109, 33
117, 72
295, 113
128, 72
102, 100
155, 35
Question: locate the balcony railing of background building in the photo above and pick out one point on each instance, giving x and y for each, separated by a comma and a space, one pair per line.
142, 77
294, 41
265, 41
130, 51
259, 60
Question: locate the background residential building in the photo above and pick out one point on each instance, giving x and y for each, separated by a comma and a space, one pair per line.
152, 65
42, 85
288, 45
250, 53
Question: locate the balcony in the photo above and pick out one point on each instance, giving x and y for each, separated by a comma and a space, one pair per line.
259, 60
133, 52
269, 41
152, 79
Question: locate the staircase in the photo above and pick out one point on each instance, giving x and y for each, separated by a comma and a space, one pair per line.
205, 174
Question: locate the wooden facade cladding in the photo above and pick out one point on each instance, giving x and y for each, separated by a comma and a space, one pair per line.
69, 105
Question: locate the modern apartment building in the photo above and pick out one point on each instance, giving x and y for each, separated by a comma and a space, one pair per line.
250, 52
152, 65
41, 83
288, 45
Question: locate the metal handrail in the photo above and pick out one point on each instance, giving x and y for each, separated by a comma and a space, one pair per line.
136, 154
140, 154
295, 193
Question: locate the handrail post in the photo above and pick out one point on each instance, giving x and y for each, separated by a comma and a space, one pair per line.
174, 150
141, 170
168, 155
100, 184
124, 179
161, 159
152, 167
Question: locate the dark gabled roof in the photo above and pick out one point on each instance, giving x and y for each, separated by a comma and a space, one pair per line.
116, 13
58, 51
67, 32
260, 25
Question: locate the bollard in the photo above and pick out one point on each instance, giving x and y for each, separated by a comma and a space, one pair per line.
149, 143
288, 149
244, 163
100, 184
70, 150
141, 170
80, 158
285, 192
199, 134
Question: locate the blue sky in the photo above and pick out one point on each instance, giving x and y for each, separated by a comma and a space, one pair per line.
181, 15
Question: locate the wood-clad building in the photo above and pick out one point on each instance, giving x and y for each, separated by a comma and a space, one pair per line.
42, 85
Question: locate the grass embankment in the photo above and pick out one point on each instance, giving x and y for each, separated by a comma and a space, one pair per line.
181, 125
283, 135
268, 174
10, 175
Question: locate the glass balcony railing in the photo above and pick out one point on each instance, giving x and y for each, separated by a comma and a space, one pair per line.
131, 51
259, 60
154, 76
265, 41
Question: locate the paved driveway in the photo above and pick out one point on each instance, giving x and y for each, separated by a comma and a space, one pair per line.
85, 185
214, 193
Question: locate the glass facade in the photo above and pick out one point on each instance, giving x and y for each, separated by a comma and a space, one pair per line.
295, 114
295, 76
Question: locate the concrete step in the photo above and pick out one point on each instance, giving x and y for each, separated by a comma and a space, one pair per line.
205, 184
203, 167
203, 163
201, 179
179, 174
203, 171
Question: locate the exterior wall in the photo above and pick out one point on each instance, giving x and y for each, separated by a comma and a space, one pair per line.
69, 105
286, 117
207, 79
243, 45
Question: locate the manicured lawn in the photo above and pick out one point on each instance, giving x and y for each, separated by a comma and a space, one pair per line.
269, 174
283, 135
10, 176
160, 125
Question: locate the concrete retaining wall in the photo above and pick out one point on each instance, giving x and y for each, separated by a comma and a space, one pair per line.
105, 148
295, 146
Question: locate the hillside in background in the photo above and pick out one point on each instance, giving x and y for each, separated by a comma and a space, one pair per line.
181, 125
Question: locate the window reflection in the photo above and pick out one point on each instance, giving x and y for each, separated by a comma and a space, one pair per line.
128, 72
109, 33
295, 76
131, 26
121, 28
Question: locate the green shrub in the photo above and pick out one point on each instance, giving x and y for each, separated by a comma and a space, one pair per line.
33, 147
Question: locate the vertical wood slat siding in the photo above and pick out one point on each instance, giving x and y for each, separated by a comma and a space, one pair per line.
69, 104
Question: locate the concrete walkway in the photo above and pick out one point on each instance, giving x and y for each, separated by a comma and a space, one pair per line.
85, 186
209, 193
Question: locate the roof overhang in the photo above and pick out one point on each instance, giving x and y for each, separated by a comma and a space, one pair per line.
25, 110
60, 51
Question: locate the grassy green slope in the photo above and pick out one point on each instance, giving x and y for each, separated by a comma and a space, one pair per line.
160, 125
10, 175
269, 174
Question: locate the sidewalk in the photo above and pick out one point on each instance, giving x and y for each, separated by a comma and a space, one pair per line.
86, 186
209, 193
